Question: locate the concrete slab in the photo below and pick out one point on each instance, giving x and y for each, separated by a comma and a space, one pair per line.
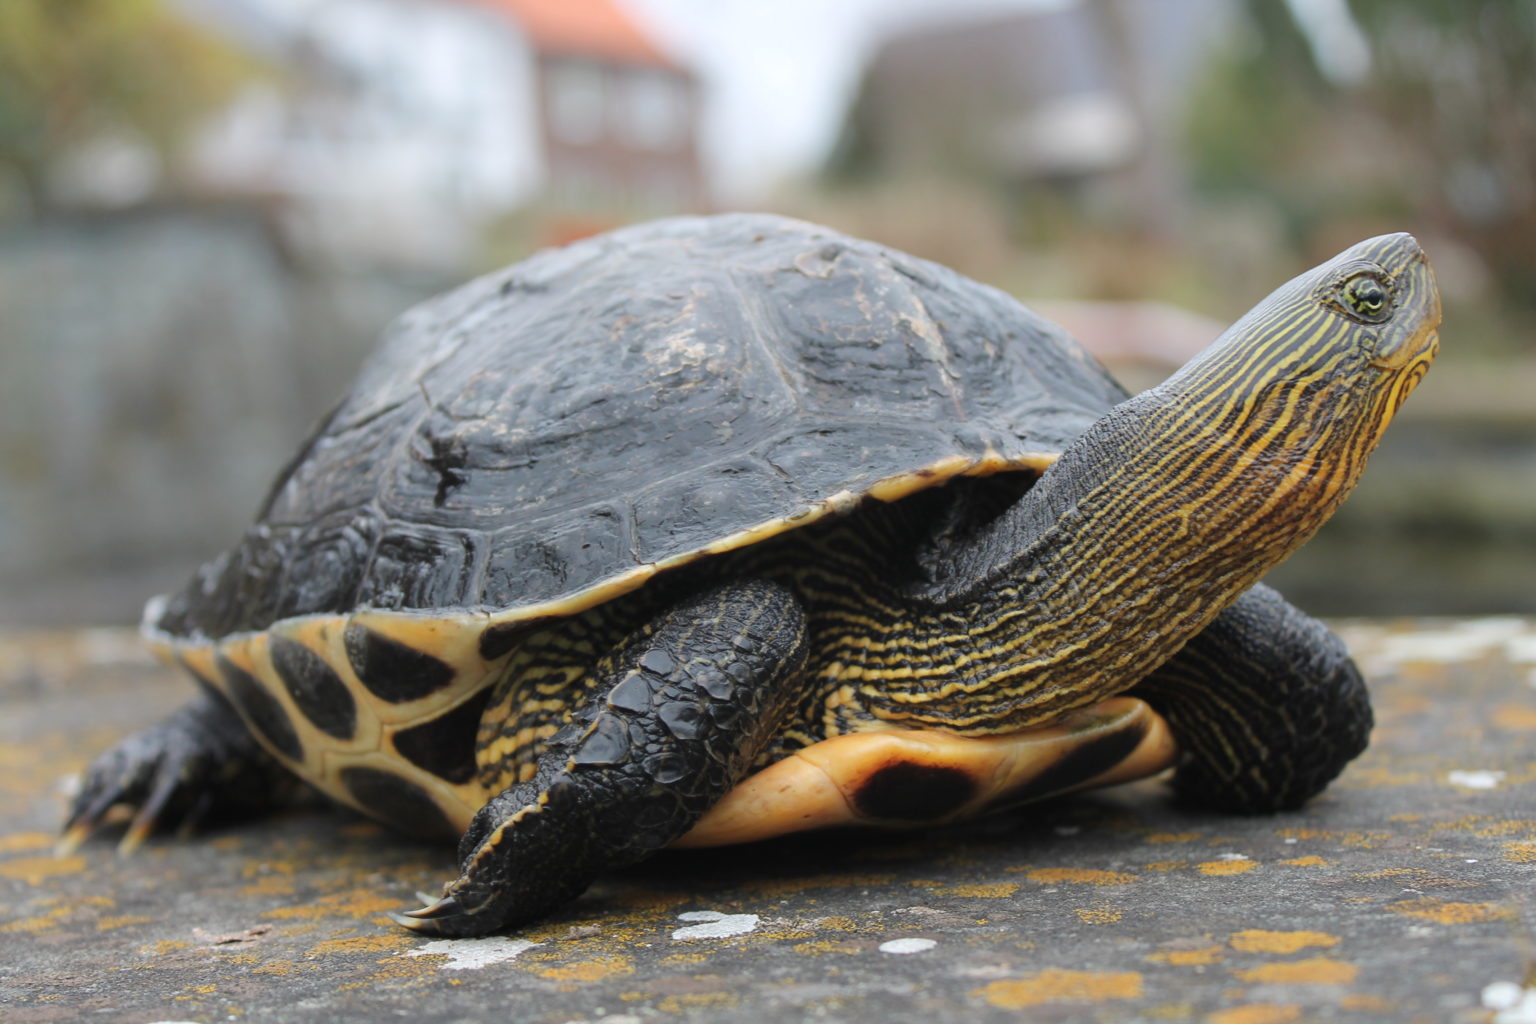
1406, 893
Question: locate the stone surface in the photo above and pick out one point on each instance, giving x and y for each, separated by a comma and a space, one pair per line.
1405, 893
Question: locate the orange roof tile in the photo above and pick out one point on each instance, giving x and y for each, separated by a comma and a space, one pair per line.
588, 28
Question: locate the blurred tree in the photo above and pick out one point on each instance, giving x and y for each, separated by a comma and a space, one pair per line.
1255, 120
1458, 79
1440, 128
74, 72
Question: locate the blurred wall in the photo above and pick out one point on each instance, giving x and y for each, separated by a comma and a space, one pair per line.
157, 367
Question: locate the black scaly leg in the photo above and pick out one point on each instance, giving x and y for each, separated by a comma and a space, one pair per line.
1266, 705
679, 712
200, 760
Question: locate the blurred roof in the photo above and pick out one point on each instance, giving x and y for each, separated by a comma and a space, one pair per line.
599, 29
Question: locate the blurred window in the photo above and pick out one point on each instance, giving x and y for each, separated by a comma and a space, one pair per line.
576, 100
652, 111
580, 184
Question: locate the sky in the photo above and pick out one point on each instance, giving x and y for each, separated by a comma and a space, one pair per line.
780, 75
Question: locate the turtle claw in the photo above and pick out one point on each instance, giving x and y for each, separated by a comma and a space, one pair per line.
74, 834
445, 907
427, 919
134, 837
167, 783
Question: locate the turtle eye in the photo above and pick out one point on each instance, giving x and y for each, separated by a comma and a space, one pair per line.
1366, 297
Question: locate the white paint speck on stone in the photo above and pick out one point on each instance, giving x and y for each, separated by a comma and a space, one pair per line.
1513, 1003
1501, 995
1231, 856
714, 925
473, 954
907, 946
1475, 779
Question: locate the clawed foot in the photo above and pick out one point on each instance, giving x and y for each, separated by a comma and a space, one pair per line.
198, 761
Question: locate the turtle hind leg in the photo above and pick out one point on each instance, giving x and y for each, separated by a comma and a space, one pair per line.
199, 762
1266, 704
674, 718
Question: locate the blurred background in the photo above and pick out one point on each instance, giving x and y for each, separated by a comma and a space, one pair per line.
208, 208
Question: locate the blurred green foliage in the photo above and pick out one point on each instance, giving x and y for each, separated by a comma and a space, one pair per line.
1440, 130
73, 71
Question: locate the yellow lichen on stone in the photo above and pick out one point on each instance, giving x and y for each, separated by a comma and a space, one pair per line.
1202, 957
1173, 837
700, 1000
1256, 1013
162, 947
1522, 852
1304, 833
598, 968
1080, 876
34, 925
33, 870
836, 923
1059, 986
1367, 1003
1519, 717
1419, 876
1166, 865
1220, 868
1316, 970
820, 946
1446, 912
363, 944
106, 924
1098, 915
1259, 941
356, 903
1312, 861
19, 841
270, 885
994, 891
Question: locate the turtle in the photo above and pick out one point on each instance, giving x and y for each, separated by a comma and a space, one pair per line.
720, 527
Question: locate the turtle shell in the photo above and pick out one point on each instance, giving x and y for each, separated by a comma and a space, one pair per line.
553, 435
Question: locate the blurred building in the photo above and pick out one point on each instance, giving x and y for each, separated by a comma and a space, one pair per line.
394, 131
1073, 97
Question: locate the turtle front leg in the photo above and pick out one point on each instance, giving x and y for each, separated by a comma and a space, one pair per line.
201, 759
674, 718
1266, 704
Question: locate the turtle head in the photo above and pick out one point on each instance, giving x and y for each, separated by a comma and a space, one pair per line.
1307, 381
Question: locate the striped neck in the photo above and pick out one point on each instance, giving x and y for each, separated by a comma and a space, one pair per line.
1179, 499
